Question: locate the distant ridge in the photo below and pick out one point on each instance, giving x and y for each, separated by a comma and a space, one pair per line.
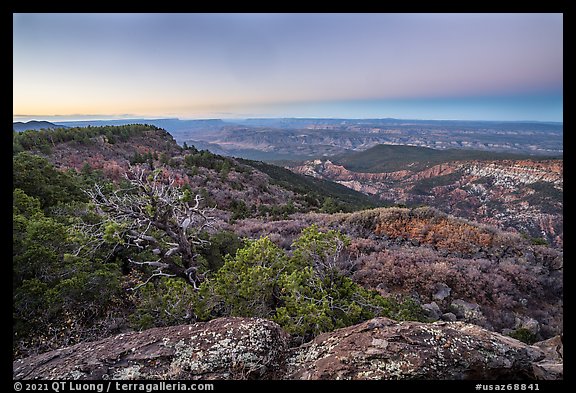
33, 125
168, 124
295, 122
389, 158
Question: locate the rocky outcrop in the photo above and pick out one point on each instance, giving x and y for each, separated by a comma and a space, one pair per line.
552, 367
442, 291
384, 349
253, 348
435, 171
469, 312
225, 348
432, 311
510, 173
338, 173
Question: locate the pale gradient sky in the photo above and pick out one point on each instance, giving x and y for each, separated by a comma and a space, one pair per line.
449, 66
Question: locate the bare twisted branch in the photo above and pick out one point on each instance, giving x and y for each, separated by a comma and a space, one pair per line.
153, 213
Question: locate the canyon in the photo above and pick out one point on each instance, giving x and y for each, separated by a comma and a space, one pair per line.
520, 195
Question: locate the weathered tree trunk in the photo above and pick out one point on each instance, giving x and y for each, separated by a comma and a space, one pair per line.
153, 213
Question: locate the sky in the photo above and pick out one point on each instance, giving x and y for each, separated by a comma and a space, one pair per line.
412, 66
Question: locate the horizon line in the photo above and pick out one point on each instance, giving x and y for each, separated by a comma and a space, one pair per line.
112, 118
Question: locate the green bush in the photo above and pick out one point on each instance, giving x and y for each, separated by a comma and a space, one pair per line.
165, 303
538, 241
239, 210
307, 292
524, 335
40, 179
245, 285
211, 255
52, 287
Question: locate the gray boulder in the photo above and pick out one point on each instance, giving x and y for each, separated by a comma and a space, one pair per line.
253, 348
442, 291
552, 367
225, 348
384, 349
449, 317
432, 311
469, 312
529, 324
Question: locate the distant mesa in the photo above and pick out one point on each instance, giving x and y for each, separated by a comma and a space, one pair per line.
33, 125
169, 124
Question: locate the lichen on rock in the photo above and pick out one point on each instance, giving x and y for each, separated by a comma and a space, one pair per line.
254, 348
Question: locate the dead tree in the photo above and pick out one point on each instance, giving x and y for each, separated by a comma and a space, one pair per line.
154, 214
